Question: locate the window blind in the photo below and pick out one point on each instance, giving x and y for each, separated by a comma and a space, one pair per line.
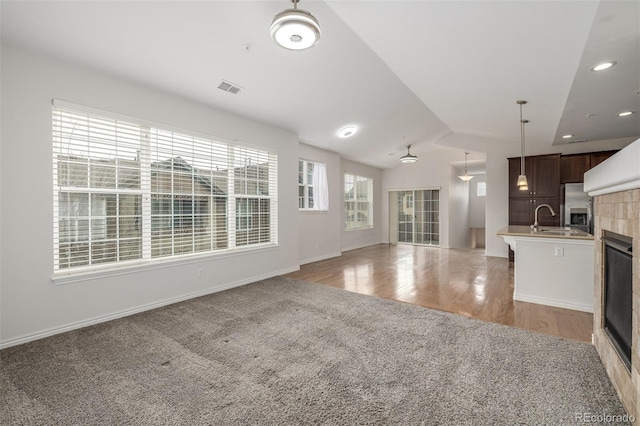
127, 191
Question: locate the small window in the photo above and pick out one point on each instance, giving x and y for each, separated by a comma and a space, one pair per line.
481, 189
358, 202
313, 193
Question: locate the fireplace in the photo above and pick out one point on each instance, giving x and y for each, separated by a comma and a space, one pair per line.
616, 333
615, 187
618, 290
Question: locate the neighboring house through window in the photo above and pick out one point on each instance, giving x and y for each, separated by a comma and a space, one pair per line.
125, 191
313, 192
358, 202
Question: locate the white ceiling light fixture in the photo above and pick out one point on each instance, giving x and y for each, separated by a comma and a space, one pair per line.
603, 66
466, 176
626, 113
567, 136
522, 183
295, 29
348, 131
408, 158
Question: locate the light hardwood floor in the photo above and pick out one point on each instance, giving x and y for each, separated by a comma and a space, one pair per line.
464, 282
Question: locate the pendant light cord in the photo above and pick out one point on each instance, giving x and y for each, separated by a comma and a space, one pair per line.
522, 122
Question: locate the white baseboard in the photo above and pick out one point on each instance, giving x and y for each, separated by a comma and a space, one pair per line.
360, 246
126, 312
554, 303
496, 254
319, 258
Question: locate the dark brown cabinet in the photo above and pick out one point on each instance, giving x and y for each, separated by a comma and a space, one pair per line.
543, 176
574, 166
599, 157
521, 211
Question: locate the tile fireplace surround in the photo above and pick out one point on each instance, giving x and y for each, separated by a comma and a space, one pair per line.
615, 186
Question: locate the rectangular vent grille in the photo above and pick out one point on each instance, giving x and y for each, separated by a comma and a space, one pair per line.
229, 87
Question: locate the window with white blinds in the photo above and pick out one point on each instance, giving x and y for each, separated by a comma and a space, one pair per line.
127, 192
358, 202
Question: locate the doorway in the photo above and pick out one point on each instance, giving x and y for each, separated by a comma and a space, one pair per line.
414, 217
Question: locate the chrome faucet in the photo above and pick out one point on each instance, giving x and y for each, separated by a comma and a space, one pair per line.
535, 225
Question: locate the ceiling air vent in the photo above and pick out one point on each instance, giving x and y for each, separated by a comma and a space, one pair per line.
229, 87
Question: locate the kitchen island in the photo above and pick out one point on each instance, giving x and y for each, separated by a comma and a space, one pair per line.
553, 266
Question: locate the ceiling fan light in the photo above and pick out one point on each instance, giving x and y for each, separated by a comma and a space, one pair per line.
408, 158
295, 29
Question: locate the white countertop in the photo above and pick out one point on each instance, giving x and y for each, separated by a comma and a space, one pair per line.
545, 232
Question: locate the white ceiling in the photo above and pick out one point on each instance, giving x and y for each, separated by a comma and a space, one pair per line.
407, 72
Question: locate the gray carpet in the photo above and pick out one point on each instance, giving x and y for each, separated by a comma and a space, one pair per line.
282, 351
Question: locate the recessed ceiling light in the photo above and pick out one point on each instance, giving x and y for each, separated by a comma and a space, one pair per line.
603, 66
567, 136
625, 113
348, 131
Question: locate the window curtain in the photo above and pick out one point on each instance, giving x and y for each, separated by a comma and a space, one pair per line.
322, 188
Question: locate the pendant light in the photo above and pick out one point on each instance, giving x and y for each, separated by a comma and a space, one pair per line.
408, 158
466, 176
522, 183
295, 29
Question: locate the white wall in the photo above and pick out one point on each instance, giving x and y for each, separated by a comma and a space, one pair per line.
32, 306
477, 205
356, 238
459, 230
319, 232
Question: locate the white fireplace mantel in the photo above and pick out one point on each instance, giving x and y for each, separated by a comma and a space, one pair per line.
620, 172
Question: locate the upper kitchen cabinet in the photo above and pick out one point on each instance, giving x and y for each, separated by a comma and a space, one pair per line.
574, 166
543, 176
599, 157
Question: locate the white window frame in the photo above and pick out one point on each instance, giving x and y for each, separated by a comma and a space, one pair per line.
309, 191
356, 196
481, 189
262, 186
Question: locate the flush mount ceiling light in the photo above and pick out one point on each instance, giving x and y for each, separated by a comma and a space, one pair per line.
408, 158
522, 183
347, 131
603, 66
295, 29
466, 176
567, 136
626, 113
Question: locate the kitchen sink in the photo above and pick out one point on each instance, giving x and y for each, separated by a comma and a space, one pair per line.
557, 231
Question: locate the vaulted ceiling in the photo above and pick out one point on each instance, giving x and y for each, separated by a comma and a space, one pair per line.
406, 72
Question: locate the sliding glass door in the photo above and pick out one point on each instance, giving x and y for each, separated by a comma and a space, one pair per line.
417, 216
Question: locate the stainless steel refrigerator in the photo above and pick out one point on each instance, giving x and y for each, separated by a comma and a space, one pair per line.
577, 208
